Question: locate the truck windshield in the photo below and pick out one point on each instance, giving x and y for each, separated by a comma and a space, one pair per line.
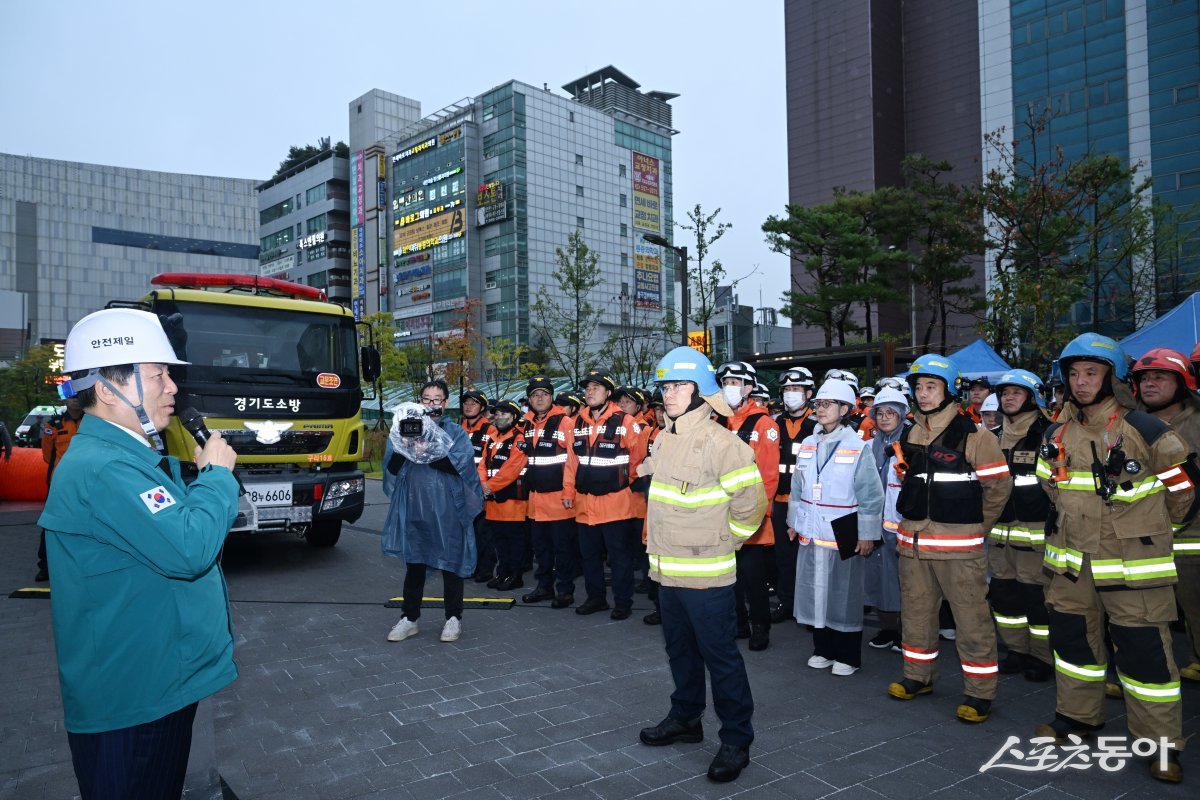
232, 338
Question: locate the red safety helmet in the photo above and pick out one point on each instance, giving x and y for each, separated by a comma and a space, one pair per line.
1168, 360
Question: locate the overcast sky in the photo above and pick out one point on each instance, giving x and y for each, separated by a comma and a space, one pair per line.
224, 88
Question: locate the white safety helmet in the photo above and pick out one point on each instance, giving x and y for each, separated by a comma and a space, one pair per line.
797, 376
990, 403
114, 337
838, 390
737, 369
117, 336
889, 396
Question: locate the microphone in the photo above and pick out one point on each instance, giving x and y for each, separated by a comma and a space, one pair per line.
193, 423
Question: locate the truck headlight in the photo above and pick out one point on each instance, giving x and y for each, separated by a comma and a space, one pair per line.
344, 488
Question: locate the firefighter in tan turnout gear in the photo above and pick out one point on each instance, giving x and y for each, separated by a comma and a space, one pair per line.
1018, 540
1119, 478
954, 489
706, 499
1167, 389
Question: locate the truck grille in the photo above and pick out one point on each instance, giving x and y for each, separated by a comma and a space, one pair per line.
290, 443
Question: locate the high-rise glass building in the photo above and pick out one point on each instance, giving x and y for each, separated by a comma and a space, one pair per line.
1112, 76
484, 192
871, 80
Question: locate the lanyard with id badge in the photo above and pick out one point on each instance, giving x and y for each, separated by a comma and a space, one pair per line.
816, 487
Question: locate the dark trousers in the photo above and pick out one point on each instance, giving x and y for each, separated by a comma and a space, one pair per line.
555, 545
509, 539
843, 646
751, 587
146, 761
414, 589
485, 548
785, 558
593, 539
700, 630
42, 564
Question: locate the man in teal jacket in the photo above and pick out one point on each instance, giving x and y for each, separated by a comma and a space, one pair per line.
141, 613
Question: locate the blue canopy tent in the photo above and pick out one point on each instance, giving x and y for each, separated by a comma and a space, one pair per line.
978, 360
1178, 329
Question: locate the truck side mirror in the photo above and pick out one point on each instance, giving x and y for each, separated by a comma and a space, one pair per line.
369, 357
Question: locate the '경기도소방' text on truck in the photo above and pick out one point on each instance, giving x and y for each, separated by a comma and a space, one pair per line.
275, 368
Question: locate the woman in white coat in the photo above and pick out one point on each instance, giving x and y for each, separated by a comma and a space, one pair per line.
835, 478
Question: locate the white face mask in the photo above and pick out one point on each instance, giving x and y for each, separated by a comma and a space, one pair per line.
793, 400
733, 395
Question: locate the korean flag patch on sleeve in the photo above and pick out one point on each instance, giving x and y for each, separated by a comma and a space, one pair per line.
157, 499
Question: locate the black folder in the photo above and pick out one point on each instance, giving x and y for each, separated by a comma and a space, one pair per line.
845, 532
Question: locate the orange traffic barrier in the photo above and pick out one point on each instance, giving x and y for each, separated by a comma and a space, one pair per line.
23, 477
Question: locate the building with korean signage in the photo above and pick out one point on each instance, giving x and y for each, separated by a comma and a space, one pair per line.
484, 192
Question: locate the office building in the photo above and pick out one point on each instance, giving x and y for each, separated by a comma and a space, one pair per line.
869, 81
74, 236
483, 193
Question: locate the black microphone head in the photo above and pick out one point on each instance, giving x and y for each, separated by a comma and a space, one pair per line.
193, 423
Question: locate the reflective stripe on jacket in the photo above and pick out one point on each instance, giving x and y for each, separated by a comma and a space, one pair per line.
706, 499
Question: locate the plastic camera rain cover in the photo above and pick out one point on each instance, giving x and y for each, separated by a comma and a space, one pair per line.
430, 444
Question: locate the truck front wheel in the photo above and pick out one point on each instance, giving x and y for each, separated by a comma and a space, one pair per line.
324, 534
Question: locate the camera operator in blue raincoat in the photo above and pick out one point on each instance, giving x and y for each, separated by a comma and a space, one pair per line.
430, 475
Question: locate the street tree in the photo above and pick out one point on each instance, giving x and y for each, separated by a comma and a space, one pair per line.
641, 338
706, 230
940, 222
565, 318
27, 381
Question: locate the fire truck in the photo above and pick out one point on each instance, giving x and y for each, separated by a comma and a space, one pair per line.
279, 371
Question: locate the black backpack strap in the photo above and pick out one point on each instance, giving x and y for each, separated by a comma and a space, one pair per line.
1148, 426
747, 427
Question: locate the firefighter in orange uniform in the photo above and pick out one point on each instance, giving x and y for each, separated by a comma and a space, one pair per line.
633, 402
606, 451
548, 440
500, 471
795, 423
56, 438
474, 407
754, 426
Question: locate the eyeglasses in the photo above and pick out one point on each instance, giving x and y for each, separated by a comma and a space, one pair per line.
432, 401
886, 412
668, 388
825, 403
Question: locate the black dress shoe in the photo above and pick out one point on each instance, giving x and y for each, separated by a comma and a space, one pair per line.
621, 612
671, 730
653, 618
482, 577
495, 582
510, 583
42, 575
538, 595
592, 605
562, 601
729, 763
760, 636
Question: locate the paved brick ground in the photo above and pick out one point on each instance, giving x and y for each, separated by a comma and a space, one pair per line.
531, 702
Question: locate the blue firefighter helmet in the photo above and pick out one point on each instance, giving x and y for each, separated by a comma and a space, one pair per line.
1026, 380
1094, 347
688, 364
935, 365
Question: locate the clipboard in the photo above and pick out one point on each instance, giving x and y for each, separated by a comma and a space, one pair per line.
845, 533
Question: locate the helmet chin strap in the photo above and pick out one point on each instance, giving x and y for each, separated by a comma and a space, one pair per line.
147, 426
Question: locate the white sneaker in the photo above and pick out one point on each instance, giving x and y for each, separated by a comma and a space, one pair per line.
820, 662
843, 669
451, 630
949, 634
403, 629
